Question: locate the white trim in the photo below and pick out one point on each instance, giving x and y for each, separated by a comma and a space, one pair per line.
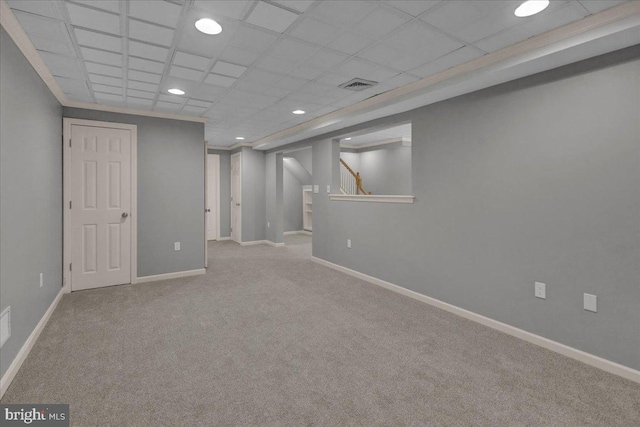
167, 276
11, 24
66, 161
239, 232
13, 369
261, 242
406, 142
224, 238
371, 198
565, 350
308, 233
230, 147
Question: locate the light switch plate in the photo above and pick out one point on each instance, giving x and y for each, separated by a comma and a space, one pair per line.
176, 246
349, 243
591, 302
316, 189
328, 188
541, 290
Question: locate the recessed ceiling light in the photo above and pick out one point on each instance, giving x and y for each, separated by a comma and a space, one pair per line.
347, 139
298, 111
208, 26
239, 138
176, 91
531, 7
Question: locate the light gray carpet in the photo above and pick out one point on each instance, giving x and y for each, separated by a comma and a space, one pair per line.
269, 337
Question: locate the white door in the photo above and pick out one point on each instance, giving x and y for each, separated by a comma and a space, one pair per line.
236, 197
100, 197
213, 167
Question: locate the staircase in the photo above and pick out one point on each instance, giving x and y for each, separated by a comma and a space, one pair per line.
350, 181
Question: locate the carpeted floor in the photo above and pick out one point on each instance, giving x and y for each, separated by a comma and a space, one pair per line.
268, 337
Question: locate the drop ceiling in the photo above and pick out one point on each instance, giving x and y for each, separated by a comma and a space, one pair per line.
271, 58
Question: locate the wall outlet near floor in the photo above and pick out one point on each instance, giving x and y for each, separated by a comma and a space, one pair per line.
176, 246
268, 224
591, 302
41, 279
316, 189
328, 188
349, 243
541, 290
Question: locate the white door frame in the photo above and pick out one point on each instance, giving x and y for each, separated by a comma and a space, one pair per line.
239, 232
217, 202
66, 179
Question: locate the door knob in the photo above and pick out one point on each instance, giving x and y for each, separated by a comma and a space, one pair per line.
237, 204
124, 214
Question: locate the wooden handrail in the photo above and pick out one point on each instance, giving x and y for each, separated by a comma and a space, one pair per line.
356, 175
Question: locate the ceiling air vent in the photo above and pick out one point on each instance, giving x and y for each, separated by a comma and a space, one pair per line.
358, 84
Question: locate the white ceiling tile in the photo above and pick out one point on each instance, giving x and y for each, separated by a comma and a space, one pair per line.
101, 57
193, 109
292, 50
46, 28
106, 89
188, 60
240, 56
139, 102
595, 6
141, 94
414, 36
247, 86
110, 5
271, 17
166, 106
159, 12
106, 70
148, 51
457, 57
142, 76
291, 83
218, 80
209, 92
78, 87
252, 39
185, 73
54, 46
333, 79
147, 87
62, 65
227, 69
299, 5
39, 7
413, 7
105, 80
357, 68
143, 31
94, 19
146, 65
277, 92
350, 43
112, 98
174, 99
344, 12
315, 31
276, 65
325, 59
305, 72
98, 40
380, 23
232, 9
199, 103
262, 77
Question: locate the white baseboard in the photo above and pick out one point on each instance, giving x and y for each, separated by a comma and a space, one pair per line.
565, 350
167, 276
288, 233
224, 238
27, 346
261, 242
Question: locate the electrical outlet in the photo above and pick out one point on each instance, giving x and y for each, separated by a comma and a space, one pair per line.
591, 302
349, 243
541, 290
328, 188
41, 279
268, 224
176, 246
316, 189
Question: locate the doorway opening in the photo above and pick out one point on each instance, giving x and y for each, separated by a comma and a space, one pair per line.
297, 195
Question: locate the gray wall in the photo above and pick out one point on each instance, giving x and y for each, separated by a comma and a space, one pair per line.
253, 195
534, 180
384, 169
274, 197
30, 196
225, 191
171, 161
292, 200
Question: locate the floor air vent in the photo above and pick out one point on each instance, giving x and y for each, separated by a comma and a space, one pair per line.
358, 84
